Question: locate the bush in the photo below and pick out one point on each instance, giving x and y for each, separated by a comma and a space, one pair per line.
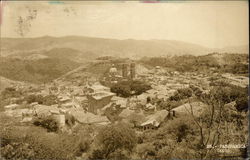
34, 98
10, 92
196, 90
242, 103
17, 150
47, 100
146, 151
64, 147
181, 94
49, 123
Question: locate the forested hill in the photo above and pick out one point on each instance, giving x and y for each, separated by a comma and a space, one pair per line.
232, 63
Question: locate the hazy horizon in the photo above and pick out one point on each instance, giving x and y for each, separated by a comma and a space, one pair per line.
209, 24
122, 40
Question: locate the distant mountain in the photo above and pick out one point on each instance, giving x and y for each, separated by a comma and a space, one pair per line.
84, 48
99, 46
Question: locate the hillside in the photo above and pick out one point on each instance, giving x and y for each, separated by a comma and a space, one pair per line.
232, 63
233, 49
36, 70
60, 53
5, 83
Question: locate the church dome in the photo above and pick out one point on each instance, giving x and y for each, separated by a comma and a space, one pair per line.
113, 70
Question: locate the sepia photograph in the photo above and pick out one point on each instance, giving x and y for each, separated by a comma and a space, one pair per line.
124, 80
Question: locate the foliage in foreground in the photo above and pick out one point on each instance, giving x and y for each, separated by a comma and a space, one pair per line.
115, 142
31, 142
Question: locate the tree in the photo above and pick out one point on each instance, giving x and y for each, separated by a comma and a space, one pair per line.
128, 88
139, 87
181, 94
216, 121
113, 139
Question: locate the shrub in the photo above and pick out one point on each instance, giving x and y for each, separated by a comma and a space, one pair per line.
196, 90
47, 100
146, 151
34, 98
17, 150
242, 103
10, 92
49, 123
64, 147
181, 94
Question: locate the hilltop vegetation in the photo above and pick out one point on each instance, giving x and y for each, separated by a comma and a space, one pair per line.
231, 63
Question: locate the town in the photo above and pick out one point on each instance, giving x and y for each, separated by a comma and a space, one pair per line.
77, 99
124, 80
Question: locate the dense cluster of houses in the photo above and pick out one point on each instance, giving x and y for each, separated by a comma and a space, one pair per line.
87, 103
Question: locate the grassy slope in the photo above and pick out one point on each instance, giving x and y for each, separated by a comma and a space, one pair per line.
38, 71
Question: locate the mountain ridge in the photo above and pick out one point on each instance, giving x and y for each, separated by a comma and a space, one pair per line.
104, 46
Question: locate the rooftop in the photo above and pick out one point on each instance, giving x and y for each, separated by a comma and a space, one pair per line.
101, 95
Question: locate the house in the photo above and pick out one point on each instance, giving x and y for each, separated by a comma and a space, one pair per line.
99, 88
153, 121
98, 100
45, 111
122, 102
89, 118
126, 113
150, 106
64, 98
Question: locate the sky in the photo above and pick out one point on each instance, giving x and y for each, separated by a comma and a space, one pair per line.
211, 24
